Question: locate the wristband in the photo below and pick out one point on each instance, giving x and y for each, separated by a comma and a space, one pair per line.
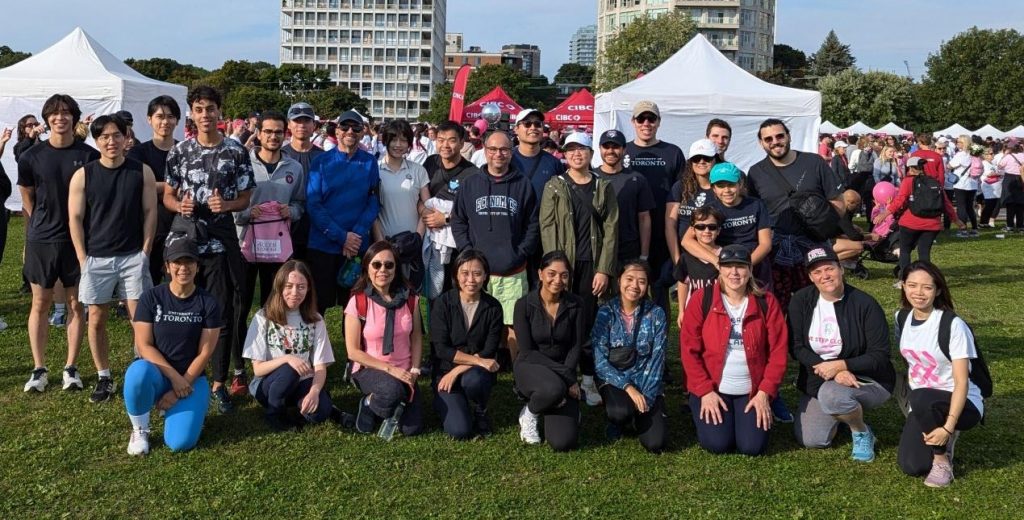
944, 429
416, 371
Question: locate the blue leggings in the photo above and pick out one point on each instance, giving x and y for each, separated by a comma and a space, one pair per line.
737, 432
144, 385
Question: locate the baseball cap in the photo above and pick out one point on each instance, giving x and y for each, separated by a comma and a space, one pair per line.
820, 254
350, 115
126, 115
703, 147
840, 144
300, 109
612, 136
646, 106
734, 254
579, 138
180, 247
941, 139
726, 171
916, 162
527, 112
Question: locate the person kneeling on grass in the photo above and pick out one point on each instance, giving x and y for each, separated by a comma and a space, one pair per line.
841, 339
734, 354
176, 329
629, 339
384, 342
290, 351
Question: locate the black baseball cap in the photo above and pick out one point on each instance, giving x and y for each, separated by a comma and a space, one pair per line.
734, 254
820, 254
612, 136
178, 247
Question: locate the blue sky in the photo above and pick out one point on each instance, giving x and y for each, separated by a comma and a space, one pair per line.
882, 34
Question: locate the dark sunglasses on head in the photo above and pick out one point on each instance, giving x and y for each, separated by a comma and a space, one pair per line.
346, 127
377, 264
702, 158
646, 118
532, 123
772, 138
729, 256
706, 227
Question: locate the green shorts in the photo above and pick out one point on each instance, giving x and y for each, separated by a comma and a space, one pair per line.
507, 290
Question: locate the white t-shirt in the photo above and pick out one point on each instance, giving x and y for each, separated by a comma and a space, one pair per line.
479, 159
824, 335
399, 193
991, 191
267, 341
735, 372
961, 165
927, 366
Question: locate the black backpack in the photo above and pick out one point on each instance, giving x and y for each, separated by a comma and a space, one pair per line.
926, 198
980, 375
708, 300
819, 217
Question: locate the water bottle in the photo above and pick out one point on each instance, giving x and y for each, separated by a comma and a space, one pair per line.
390, 425
349, 272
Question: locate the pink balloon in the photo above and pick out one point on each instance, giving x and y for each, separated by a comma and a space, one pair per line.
481, 125
883, 192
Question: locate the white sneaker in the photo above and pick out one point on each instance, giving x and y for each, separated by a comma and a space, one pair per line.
72, 381
590, 393
37, 381
138, 444
3, 323
528, 427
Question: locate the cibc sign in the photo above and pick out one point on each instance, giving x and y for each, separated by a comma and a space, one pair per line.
572, 114
508, 108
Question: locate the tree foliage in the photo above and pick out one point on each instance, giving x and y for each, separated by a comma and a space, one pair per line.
976, 78
240, 101
832, 57
575, 73
330, 102
789, 66
166, 69
9, 56
876, 98
641, 46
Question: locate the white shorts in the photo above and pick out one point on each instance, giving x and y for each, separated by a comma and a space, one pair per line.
128, 275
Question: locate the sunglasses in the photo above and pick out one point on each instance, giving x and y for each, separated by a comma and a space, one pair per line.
733, 257
533, 123
702, 158
772, 138
646, 118
706, 227
387, 265
355, 128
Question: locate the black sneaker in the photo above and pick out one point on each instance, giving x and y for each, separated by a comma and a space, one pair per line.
366, 421
223, 400
343, 419
105, 389
481, 421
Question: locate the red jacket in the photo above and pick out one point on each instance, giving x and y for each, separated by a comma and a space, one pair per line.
901, 203
703, 344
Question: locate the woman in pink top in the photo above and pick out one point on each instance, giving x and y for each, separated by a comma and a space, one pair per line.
384, 342
1013, 188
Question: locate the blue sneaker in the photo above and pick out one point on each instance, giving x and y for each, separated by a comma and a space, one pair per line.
863, 446
780, 412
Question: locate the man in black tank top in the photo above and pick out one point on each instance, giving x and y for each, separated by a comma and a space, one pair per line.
113, 236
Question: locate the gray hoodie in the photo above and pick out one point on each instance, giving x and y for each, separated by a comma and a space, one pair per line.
286, 185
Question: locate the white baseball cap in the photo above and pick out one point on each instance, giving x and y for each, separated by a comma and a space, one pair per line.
840, 144
580, 138
703, 147
527, 112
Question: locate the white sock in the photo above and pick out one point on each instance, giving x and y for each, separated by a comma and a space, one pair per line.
103, 373
588, 380
239, 372
140, 422
58, 308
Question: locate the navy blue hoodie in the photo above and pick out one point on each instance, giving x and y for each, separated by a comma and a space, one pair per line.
498, 216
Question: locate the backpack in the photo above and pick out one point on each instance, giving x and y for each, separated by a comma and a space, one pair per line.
926, 197
976, 168
409, 253
866, 161
980, 375
708, 299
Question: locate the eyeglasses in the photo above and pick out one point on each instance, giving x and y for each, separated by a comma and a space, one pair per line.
345, 128
503, 150
702, 158
772, 138
646, 118
387, 265
272, 132
532, 123
576, 149
706, 227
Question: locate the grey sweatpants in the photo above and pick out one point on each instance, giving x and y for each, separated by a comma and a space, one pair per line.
815, 422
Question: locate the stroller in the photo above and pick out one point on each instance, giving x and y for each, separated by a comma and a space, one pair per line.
884, 251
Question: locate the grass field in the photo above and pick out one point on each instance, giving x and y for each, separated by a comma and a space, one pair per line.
63, 456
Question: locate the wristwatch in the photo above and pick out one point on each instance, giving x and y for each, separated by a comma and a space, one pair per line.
447, 219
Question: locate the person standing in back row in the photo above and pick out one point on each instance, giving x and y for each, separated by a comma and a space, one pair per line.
301, 126
660, 163
633, 196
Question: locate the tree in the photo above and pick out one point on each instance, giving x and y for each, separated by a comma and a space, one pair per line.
788, 66
575, 74
295, 78
832, 57
242, 100
164, 69
332, 101
975, 79
641, 46
519, 86
875, 98
9, 56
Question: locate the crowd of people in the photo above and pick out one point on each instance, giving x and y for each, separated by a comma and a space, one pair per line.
556, 268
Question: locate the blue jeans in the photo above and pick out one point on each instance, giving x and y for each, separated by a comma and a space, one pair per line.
738, 431
144, 385
281, 389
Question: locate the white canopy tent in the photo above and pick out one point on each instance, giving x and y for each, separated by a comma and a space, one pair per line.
723, 90
99, 81
828, 128
955, 131
894, 129
989, 131
1017, 131
859, 128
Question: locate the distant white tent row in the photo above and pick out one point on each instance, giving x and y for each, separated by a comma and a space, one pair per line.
893, 129
828, 128
954, 130
859, 128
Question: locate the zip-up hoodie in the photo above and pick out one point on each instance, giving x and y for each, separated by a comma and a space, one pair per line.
497, 215
286, 184
341, 197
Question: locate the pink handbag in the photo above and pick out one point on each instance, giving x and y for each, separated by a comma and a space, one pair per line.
267, 239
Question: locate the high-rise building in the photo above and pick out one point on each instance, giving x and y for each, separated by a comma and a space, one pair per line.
583, 46
744, 30
453, 42
530, 55
390, 52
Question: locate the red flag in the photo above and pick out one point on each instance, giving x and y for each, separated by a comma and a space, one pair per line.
459, 93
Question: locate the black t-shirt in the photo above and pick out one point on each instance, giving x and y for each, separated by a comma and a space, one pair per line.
743, 222
809, 172
113, 225
49, 171
687, 207
582, 196
5, 185
698, 270
633, 195
661, 165
445, 183
147, 153
178, 323
23, 146
304, 158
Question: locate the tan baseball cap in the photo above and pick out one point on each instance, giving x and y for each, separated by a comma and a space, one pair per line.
646, 106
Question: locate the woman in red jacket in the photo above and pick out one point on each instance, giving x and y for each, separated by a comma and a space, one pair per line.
734, 355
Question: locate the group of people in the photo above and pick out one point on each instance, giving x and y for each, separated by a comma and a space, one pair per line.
526, 264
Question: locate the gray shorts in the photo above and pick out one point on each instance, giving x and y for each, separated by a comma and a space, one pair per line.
815, 424
109, 278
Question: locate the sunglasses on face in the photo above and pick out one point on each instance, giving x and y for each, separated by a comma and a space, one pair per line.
702, 158
355, 128
387, 265
646, 118
532, 124
772, 138
706, 227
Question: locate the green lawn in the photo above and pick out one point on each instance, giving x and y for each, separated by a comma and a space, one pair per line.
63, 456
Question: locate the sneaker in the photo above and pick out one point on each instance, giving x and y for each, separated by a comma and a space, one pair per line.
3, 323
612, 432
58, 319
366, 420
863, 446
962, 234
72, 381
138, 444
590, 393
223, 400
940, 476
481, 421
37, 381
343, 419
105, 388
528, 427
239, 386
974, 233
780, 412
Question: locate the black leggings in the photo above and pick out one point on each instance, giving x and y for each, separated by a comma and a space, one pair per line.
989, 212
929, 409
547, 394
965, 207
651, 427
386, 392
473, 387
1014, 215
911, 238
582, 286
222, 276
